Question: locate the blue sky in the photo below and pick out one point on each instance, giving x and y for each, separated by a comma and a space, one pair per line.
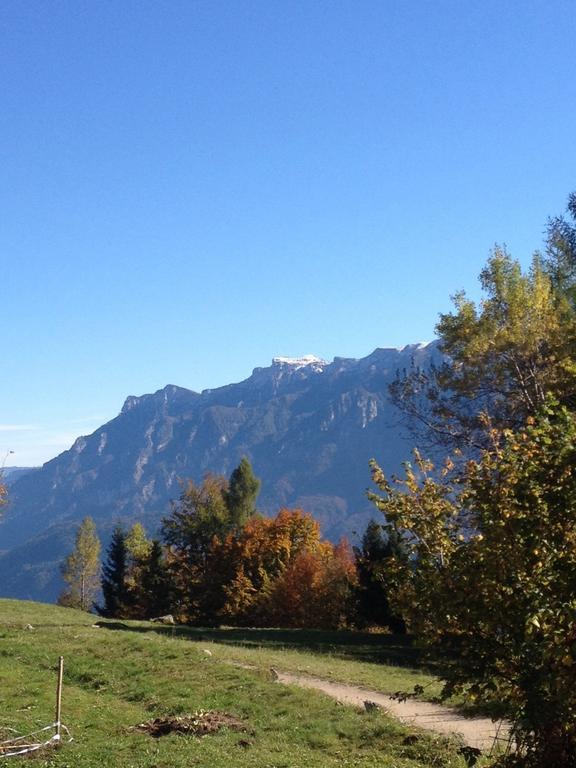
190, 188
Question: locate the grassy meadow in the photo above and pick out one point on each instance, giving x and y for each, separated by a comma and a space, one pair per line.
117, 679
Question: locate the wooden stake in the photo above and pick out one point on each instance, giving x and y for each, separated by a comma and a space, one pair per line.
59, 694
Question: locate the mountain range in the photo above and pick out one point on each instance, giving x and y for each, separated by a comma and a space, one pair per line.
309, 428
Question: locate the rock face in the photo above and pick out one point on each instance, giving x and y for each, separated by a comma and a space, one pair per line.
11, 474
308, 427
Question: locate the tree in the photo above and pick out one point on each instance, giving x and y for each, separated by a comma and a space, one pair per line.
315, 589
490, 583
138, 549
503, 358
242, 493
138, 545
3, 488
372, 592
200, 517
154, 592
274, 570
114, 577
81, 569
561, 251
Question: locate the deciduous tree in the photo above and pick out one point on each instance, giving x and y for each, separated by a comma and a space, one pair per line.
315, 590
138, 549
196, 521
504, 357
279, 572
491, 581
561, 250
81, 569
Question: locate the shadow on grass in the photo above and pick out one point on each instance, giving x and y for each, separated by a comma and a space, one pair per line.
354, 646
396, 650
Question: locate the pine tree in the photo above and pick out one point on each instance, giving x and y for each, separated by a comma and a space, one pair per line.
242, 493
81, 569
114, 572
373, 604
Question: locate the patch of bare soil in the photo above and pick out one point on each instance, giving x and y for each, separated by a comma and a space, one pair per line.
199, 724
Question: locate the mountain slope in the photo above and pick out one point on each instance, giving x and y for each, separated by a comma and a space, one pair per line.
308, 427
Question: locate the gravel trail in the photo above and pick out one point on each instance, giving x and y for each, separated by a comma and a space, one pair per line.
479, 732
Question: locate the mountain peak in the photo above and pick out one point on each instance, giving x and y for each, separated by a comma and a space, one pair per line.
300, 362
168, 393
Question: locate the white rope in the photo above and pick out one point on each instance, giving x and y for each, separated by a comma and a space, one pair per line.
27, 736
13, 743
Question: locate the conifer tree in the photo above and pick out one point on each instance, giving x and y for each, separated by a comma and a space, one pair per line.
138, 545
114, 573
373, 603
81, 569
243, 489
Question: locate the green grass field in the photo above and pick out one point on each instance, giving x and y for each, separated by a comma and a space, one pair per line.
115, 680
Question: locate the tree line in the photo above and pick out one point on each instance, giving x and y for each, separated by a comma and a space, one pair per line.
219, 561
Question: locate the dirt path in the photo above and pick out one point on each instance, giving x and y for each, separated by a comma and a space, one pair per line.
478, 732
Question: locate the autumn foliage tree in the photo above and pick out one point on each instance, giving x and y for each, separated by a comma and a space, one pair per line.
270, 571
490, 582
199, 518
248, 562
315, 590
81, 569
3, 494
281, 573
489, 577
503, 357
204, 516
224, 563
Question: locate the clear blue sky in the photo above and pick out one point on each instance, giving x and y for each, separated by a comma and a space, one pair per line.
189, 188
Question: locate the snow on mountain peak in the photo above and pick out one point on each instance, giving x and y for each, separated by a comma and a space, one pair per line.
415, 347
300, 362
